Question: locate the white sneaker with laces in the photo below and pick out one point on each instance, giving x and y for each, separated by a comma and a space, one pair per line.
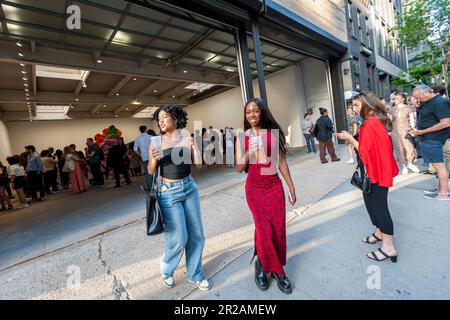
351, 161
202, 284
430, 191
168, 281
404, 170
413, 168
435, 196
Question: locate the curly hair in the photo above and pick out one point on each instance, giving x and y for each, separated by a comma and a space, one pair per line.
176, 112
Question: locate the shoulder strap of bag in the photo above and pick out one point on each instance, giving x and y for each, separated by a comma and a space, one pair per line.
154, 188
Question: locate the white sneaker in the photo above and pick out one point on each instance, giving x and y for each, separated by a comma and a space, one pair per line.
351, 161
168, 281
436, 196
25, 205
413, 168
202, 284
404, 170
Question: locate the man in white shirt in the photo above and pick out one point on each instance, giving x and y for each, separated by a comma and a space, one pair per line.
141, 147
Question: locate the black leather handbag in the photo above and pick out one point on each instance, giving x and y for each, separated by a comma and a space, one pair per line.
154, 218
362, 183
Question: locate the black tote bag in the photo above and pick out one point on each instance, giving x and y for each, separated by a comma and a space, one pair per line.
154, 218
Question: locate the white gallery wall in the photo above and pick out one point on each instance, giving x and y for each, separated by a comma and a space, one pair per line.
5, 146
60, 133
288, 94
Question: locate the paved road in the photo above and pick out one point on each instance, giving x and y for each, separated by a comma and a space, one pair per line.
325, 255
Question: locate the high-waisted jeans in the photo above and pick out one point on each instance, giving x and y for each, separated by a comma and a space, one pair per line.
180, 204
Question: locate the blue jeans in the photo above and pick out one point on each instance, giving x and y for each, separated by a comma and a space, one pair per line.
148, 176
310, 142
180, 205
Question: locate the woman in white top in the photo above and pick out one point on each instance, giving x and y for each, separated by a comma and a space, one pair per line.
17, 175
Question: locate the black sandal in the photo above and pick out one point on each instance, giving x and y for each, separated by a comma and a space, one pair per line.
366, 240
386, 256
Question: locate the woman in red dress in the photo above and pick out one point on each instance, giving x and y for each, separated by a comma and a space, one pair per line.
263, 152
375, 150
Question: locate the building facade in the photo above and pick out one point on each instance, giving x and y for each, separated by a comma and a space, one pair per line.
374, 55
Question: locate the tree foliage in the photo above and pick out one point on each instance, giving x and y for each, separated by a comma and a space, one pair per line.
425, 24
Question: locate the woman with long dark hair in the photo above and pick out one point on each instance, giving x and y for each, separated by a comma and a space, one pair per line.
375, 150
179, 198
263, 141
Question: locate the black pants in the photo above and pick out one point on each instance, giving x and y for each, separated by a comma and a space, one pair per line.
50, 180
377, 206
97, 173
121, 170
8, 190
64, 177
36, 184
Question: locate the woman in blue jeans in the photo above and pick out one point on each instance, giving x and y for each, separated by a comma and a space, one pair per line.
179, 198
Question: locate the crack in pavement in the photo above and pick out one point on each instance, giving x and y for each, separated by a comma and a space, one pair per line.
119, 291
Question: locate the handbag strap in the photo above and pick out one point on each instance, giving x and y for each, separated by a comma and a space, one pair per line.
154, 189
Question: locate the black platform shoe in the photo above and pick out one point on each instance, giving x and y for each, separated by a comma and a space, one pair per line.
260, 276
283, 283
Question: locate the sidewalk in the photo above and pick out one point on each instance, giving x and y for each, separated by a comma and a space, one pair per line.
325, 256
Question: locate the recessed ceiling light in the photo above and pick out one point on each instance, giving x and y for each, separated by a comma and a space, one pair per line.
174, 96
27, 94
155, 91
28, 98
22, 65
76, 99
104, 106
117, 94
23, 71
26, 89
72, 107
26, 84
184, 71
99, 61
20, 54
134, 79
25, 79
127, 109
19, 44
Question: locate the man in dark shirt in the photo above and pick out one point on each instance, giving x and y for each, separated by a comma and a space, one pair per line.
117, 156
93, 155
433, 127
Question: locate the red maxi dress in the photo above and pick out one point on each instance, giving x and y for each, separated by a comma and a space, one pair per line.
266, 200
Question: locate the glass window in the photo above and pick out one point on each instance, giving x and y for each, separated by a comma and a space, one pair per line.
368, 37
360, 26
350, 18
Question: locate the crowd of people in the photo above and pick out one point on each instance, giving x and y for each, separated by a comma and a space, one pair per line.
34, 175
375, 131
404, 111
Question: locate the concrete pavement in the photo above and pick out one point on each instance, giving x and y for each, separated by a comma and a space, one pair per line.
325, 256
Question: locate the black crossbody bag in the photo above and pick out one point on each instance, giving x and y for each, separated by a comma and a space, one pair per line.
154, 217
362, 183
